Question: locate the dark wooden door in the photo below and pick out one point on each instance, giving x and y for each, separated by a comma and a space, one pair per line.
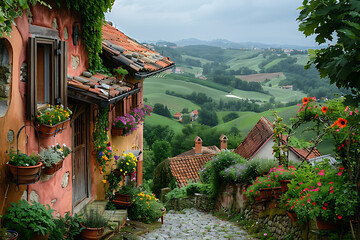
80, 131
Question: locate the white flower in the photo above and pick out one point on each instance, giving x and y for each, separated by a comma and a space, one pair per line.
26, 164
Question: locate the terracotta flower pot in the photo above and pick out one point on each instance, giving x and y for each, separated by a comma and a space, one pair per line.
265, 193
11, 235
37, 236
284, 185
115, 131
292, 216
46, 131
122, 199
54, 168
322, 225
91, 233
277, 192
26, 175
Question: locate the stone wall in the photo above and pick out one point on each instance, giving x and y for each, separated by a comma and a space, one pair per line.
198, 201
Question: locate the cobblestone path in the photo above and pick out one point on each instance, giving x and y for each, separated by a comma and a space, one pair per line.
191, 224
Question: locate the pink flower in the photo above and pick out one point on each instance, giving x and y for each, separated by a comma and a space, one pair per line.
331, 191
316, 189
331, 182
300, 183
308, 200
313, 203
339, 173
331, 188
319, 183
347, 108
299, 105
350, 113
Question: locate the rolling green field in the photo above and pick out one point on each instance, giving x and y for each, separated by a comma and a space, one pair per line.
155, 119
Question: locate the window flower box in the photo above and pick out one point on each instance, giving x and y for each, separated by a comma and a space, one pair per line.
53, 158
52, 120
116, 131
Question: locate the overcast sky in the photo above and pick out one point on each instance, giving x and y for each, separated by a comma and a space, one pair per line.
264, 21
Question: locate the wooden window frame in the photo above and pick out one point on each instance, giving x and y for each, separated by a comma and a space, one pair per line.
58, 73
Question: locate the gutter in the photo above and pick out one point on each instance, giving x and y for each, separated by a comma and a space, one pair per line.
140, 75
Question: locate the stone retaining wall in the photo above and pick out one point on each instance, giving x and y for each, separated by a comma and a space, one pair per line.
199, 201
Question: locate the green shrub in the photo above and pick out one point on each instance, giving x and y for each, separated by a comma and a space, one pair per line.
146, 207
175, 193
28, 219
93, 219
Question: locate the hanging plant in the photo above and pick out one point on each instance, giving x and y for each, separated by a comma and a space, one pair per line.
102, 147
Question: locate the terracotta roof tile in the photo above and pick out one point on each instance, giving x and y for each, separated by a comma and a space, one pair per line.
303, 153
260, 134
187, 168
123, 50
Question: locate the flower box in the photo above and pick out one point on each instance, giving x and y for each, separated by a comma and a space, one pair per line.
266, 193
25, 175
116, 131
292, 216
284, 185
277, 192
325, 225
54, 168
46, 131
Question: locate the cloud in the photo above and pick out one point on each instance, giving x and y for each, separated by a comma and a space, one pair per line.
236, 20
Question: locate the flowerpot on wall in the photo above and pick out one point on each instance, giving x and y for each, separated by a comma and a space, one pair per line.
25, 175
122, 199
91, 233
266, 193
54, 168
37, 236
46, 131
277, 191
115, 131
292, 216
10, 235
284, 185
324, 225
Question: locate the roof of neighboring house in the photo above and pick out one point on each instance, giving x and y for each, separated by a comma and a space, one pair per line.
195, 112
187, 168
121, 49
261, 133
204, 150
99, 89
257, 137
177, 114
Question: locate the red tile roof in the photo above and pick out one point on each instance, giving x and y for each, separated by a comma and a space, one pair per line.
257, 137
177, 115
196, 112
187, 168
123, 50
261, 134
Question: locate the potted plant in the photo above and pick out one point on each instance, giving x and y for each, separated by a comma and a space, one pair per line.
261, 189
7, 234
321, 193
67, 227
25, 169
93, 224
124, 125
52, 120
119, 191
283, 175
146, 207
53, 158
31, 221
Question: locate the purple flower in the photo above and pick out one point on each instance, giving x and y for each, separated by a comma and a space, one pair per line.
116, 157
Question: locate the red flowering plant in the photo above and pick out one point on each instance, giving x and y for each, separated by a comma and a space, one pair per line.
321, 191
282, 173
260, 182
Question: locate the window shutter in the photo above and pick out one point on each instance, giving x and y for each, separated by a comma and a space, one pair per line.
63, 73
31, 99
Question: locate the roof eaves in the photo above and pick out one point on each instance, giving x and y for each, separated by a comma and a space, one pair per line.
140, 75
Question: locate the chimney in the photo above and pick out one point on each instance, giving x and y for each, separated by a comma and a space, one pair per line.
198, 145
223, 142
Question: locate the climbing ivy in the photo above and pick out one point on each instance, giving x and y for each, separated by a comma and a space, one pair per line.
102, 147
92, 20
11, 9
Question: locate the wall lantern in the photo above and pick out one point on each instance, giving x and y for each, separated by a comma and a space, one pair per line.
76, 34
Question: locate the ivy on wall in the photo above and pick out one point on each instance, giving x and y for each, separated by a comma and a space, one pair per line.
102, 147
92, 19
11, 9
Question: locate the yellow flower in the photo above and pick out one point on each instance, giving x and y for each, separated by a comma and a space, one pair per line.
127, 163
104, 181
48, 113
141, 199
121, 170
52, 116
147, 202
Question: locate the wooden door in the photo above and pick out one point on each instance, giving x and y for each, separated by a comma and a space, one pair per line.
80, 133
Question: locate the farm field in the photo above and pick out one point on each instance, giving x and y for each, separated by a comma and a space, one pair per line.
260, 77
